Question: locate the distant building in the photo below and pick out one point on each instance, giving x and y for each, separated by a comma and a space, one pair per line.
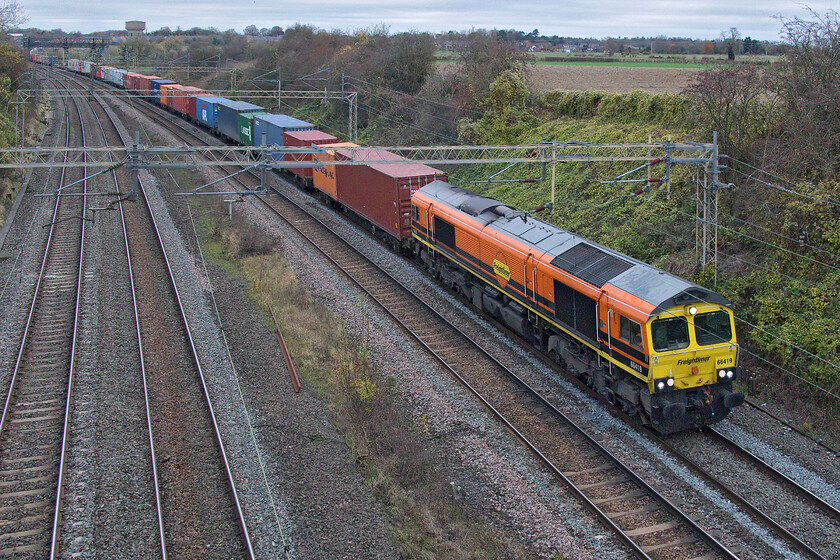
135, 28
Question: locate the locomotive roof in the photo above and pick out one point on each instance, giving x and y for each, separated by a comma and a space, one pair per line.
577, 255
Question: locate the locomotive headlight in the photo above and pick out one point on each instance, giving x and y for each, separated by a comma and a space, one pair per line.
722, 373
692, 310
663, 384
730, 374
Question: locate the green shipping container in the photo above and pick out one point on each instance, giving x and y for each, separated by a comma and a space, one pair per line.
246, 128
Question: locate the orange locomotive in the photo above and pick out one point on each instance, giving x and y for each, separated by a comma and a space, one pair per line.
661, 348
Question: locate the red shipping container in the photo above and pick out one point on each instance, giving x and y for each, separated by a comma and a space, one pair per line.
166, 92
145, 87
381, 192
182, 98
305, 138
131, 81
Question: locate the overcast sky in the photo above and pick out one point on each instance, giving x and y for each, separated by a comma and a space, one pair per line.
703, 19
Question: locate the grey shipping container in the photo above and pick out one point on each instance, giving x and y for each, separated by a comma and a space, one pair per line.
273, 127
227, 117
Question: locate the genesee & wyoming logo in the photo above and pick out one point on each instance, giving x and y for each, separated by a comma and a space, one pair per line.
692, 361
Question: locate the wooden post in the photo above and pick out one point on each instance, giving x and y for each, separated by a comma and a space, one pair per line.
286, 356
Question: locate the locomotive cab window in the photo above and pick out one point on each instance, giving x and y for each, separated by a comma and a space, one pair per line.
669, 334
712, 328
631, 331
415, 213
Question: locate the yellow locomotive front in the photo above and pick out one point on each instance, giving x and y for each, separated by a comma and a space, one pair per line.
693, 363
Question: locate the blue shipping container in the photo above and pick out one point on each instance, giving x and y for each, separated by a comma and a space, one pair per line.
273, 127
227, 116
154, 86
206, 109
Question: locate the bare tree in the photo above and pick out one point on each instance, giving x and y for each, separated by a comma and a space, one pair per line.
11, 15
808, 82
484, 57
732, 39
732, 101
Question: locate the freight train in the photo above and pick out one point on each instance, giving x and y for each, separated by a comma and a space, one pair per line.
660, 348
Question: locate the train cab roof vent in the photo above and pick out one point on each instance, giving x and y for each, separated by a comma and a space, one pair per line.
504, 211
591, 264
475, 205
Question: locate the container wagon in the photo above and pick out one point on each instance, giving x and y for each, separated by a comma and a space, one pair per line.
381, 193
166, 92
155, 84
304, 175
207, 110
144, 84
131, 81
246, 128
183, 101
227, 116
273, 127
323, 178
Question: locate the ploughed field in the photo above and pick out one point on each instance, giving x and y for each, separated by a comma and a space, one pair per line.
603, 77
612, 79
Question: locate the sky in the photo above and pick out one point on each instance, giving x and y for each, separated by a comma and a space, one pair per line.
566, 18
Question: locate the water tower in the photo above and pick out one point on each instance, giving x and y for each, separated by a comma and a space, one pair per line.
135, 28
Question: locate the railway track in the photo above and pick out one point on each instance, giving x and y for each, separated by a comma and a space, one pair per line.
199, 512
596, 478
36, 412
198, 509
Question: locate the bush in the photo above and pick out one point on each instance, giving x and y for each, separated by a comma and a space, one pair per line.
665, 109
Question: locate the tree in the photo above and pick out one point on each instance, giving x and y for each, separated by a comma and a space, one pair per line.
251, 31
729, 99
410, 60
275, 31
12, 64
11, 15
731, 38
752, 46
808, 82
484, 57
